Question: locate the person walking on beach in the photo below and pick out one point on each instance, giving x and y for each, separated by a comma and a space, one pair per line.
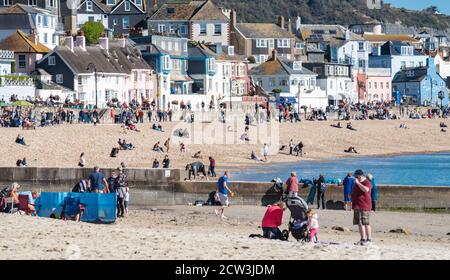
265, 151
292, 185
362, 204
121, 184
222, 194
167, 144
272, 220
166, 162
82, 161
98, 181
373, 192
348, 183
291, 147
212, 166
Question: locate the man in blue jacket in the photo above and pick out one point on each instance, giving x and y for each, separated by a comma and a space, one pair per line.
348, 183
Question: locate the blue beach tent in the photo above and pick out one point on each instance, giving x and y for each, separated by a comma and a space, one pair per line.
98, 207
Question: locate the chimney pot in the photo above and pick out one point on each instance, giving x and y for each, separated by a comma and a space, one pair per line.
104, 43
81, 42
289, 27
68, 42
274, 54
281, 22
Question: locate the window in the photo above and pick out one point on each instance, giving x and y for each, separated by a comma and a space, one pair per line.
317, 70
183, 29
169, 46
202, 28
231, 50
271, 43
7, 2
175, 46
299, 46
172, 28
370, 85
403, 64
166, 62
211, 64
294, 82
51, 60
125, 22
283, 43
91, 18
297, 65
411, 64
110, 2
272, 82
127, 6
138, 2
52, 3
32, 2
261, 43
331, 84
376, 85
283, 82
407, 50
39, 20
361, 46
59, 78
263, 58
89, 6
218, 29
161, 28
45, 21
115, 21
22, 61
387, 85
80, 80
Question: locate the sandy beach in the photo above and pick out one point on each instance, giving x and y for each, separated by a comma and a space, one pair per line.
189, 232
62, 145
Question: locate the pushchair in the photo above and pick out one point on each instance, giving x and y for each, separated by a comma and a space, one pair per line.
298, 221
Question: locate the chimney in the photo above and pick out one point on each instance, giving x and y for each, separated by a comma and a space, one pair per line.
68, 42
104, 43
122, 42
154, 6
298, 23
289, 27
274, 54
347, 35
81, 41
281, 21
33, 37
233, 19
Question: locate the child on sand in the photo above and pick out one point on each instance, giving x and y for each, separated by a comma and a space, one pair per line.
313, 225
126, 199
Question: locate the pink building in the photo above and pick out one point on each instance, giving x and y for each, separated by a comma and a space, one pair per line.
27, 50
378, 85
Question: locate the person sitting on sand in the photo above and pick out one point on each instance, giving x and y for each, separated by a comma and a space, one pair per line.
402, 125
245, 137
158, 148
272, 220
351, 149
155, 163
338, 125
198, 155
253, 156
194, 168
22, 162
442, 125
349, 126
20, 140
157, 127
443, 130
131, 126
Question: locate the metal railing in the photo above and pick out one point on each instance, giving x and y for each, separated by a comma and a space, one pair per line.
5, 54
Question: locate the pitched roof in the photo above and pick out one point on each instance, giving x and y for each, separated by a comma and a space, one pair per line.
263, 30
411, 75
188, 10
100, 4
395, 48
118, 60
278, 67
19, 42
16, 21
19, 9
389, 37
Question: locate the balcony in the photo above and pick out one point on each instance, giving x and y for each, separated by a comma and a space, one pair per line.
16, 81
5, 54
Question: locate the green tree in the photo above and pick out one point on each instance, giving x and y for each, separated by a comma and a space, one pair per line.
92, 31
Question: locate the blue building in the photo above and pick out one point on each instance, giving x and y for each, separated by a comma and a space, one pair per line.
421, 86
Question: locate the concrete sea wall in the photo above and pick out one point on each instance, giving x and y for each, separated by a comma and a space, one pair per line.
157, 187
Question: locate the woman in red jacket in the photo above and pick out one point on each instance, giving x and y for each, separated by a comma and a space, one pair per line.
273, 218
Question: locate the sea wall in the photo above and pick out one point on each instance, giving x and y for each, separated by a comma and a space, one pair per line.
157, 187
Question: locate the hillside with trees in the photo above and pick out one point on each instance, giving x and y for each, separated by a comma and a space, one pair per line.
343, 12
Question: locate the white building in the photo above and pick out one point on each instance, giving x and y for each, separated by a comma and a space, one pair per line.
297, 84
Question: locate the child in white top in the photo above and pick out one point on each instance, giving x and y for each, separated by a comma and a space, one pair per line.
313, 224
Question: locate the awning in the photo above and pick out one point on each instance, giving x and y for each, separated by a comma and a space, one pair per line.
180, 78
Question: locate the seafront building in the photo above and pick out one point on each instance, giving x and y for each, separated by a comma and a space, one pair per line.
186, 51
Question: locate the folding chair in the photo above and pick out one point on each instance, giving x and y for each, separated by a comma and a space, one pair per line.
23, 204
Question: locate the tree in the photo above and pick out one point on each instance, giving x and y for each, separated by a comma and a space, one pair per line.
276, 90
92, 31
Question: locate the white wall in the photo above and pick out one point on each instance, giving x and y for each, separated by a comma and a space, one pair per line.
82, 18
210, 37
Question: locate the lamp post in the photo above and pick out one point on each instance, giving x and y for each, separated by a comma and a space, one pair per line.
90, 66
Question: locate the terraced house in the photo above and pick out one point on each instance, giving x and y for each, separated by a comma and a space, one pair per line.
196, 20
98, 74
260, 39
117, 16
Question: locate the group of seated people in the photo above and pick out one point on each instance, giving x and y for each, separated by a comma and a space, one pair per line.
22, 162
129, 124
123, 145
20, 201
157, 127
351, 149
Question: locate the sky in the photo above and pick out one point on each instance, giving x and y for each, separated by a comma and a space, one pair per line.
443, 5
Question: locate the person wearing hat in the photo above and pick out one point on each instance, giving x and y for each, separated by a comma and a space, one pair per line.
292, 184
362, 205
